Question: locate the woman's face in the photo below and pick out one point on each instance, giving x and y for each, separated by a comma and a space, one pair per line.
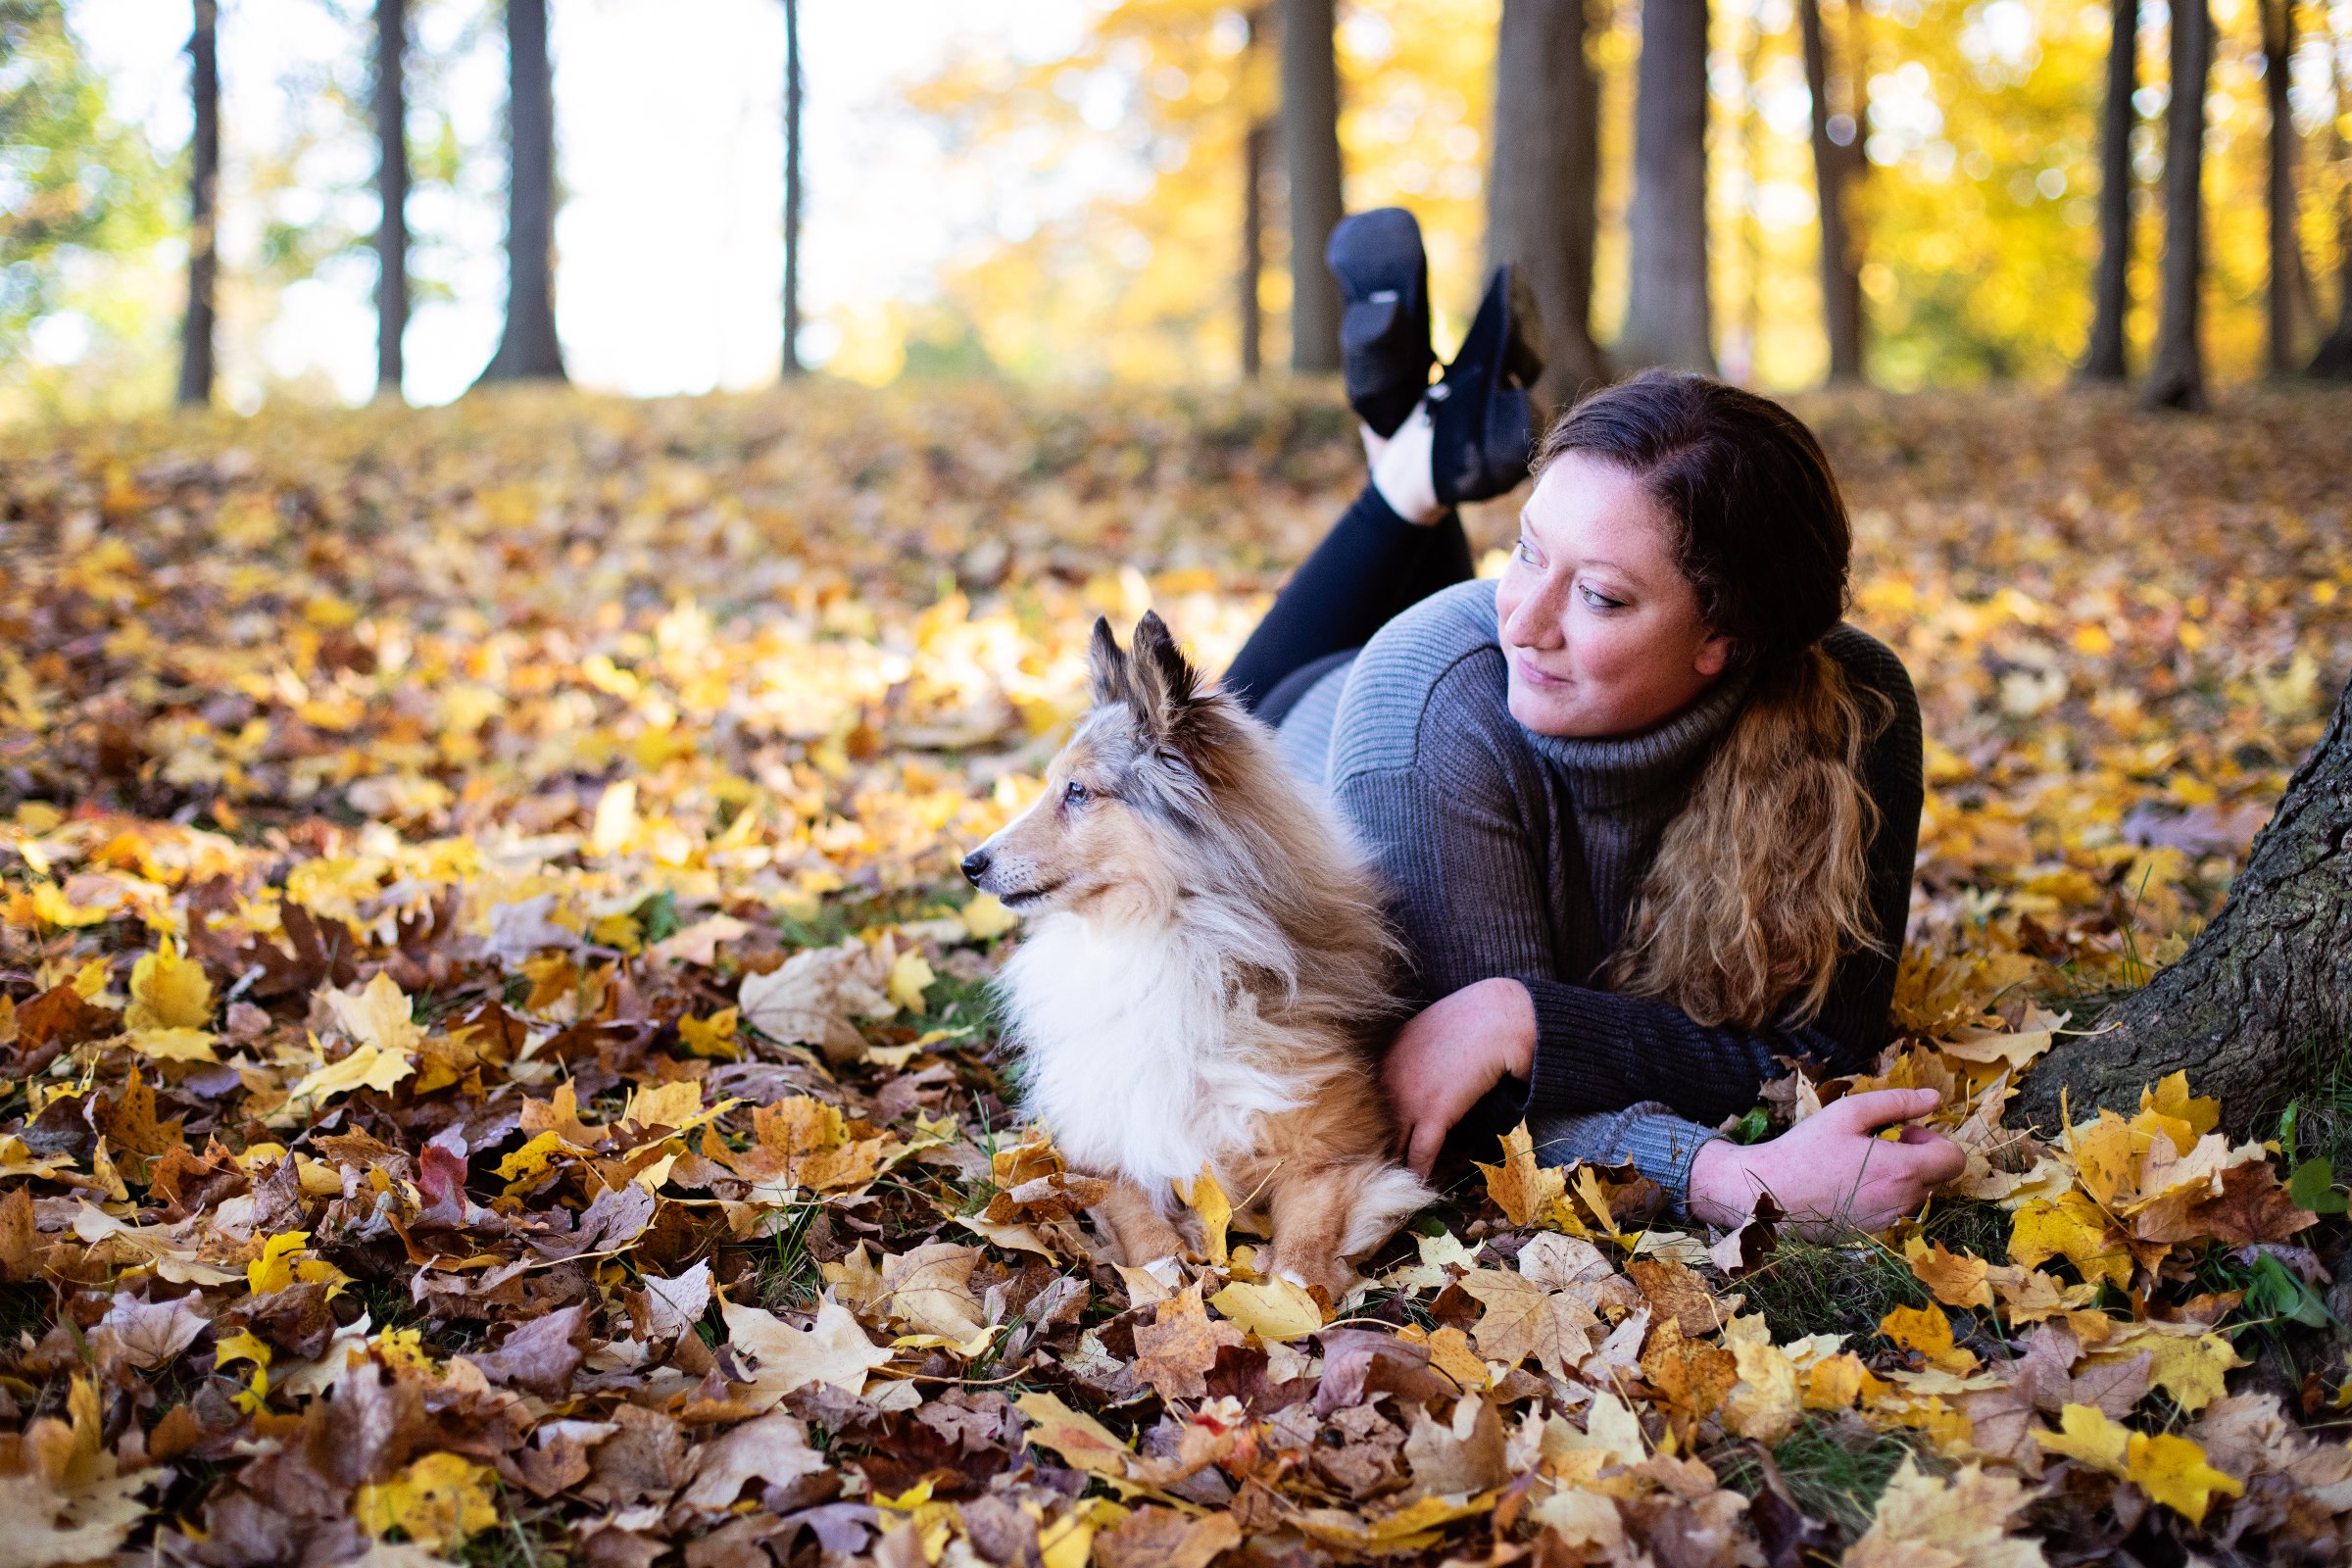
1600, 626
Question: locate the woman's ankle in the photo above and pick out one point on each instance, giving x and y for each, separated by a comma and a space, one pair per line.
1400, 469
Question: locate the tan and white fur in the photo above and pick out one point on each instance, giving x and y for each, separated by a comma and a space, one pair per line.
1205, 981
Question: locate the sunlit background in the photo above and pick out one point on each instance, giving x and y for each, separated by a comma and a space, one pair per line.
1051, 189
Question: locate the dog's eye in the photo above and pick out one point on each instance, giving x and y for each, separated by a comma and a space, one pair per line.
1075, 794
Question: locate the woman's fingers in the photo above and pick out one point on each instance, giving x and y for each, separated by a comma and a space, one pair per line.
1421, 1154
1915, 1165
1876, 1107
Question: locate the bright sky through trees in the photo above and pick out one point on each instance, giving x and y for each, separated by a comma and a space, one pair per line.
669, 150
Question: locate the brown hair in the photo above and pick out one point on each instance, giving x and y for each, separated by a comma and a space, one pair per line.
1761, 882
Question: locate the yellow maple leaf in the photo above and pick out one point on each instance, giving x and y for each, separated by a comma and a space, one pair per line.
671, 1104
169, 992
1208, 1200
367, 1068
273, 1270
51, 905
1956, 1279
1924, 1519
2070, 1227
986, 918
1523, 1189
437, 1501
1275, 1309
2173, 1471
1928, 1331
909, 976
2105, 1159
531, 1159
2189, 1368
2171, 1097
173, 1045
712, 1037
2092, 1436
378, 1014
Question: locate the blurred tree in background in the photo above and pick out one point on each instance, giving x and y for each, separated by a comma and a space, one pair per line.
74, 185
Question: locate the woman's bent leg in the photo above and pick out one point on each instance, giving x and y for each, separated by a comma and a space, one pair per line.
1372, 564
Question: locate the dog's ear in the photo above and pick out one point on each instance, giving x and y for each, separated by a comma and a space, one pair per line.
1167, 688
1106, 667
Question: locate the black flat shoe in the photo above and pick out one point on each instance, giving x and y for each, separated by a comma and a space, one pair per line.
1482, 421
1384, 328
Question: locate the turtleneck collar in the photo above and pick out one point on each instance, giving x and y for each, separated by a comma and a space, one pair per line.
1610, 773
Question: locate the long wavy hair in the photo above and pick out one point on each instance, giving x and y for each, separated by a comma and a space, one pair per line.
1761, 882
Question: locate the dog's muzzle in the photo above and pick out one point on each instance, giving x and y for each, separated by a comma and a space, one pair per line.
975, 867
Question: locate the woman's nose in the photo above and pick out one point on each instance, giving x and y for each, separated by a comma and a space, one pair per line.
1534, 621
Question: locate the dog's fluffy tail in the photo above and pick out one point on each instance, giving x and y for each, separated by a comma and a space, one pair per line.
1390, 1197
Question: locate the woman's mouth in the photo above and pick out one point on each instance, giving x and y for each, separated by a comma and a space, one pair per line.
1528, 672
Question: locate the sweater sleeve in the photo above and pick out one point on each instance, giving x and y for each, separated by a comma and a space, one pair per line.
1596, 1051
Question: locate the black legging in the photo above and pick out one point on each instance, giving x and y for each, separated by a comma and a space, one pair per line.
1372, 564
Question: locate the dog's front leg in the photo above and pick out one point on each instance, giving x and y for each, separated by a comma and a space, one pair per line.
1140, 1233
1312, 1211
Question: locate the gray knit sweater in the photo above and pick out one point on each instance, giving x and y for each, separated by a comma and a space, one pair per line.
1511, 853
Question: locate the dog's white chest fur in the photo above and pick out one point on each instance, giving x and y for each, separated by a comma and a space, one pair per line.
1137, 1060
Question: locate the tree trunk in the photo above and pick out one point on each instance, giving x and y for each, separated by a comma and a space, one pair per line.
1310, 135
1543, 187
2268, 980
392, 194
1835, 164
2286, 244
1253, 247
530, 349
204, 208
2178, 378
2106, 359
792, 188
1666, 319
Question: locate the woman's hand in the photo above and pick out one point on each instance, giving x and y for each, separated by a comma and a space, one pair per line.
1830, 1171
1451, 1053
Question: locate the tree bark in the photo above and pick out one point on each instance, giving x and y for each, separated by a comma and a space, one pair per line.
529, 350
792, 188
2268, 980
2178, 378
1310, 135
392, 194
1835, 164
2107, 358
1543, 187
1666, 319
2286, 244
196, 367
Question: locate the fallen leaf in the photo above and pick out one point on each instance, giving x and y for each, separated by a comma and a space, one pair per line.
439, 1501
832, 1351
1175, 1351
1926, 1521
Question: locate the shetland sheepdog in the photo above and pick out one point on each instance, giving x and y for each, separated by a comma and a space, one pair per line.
1206, 980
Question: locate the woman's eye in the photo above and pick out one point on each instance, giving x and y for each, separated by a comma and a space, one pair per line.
1526, 552
1075, 794
1600, 601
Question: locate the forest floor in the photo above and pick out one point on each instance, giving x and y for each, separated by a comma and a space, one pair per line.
495, 1058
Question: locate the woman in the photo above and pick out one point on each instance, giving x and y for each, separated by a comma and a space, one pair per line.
1649, 807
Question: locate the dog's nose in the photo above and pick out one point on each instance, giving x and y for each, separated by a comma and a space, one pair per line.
975, 867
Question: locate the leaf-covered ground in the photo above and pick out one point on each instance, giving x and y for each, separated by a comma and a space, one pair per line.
495, 1063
